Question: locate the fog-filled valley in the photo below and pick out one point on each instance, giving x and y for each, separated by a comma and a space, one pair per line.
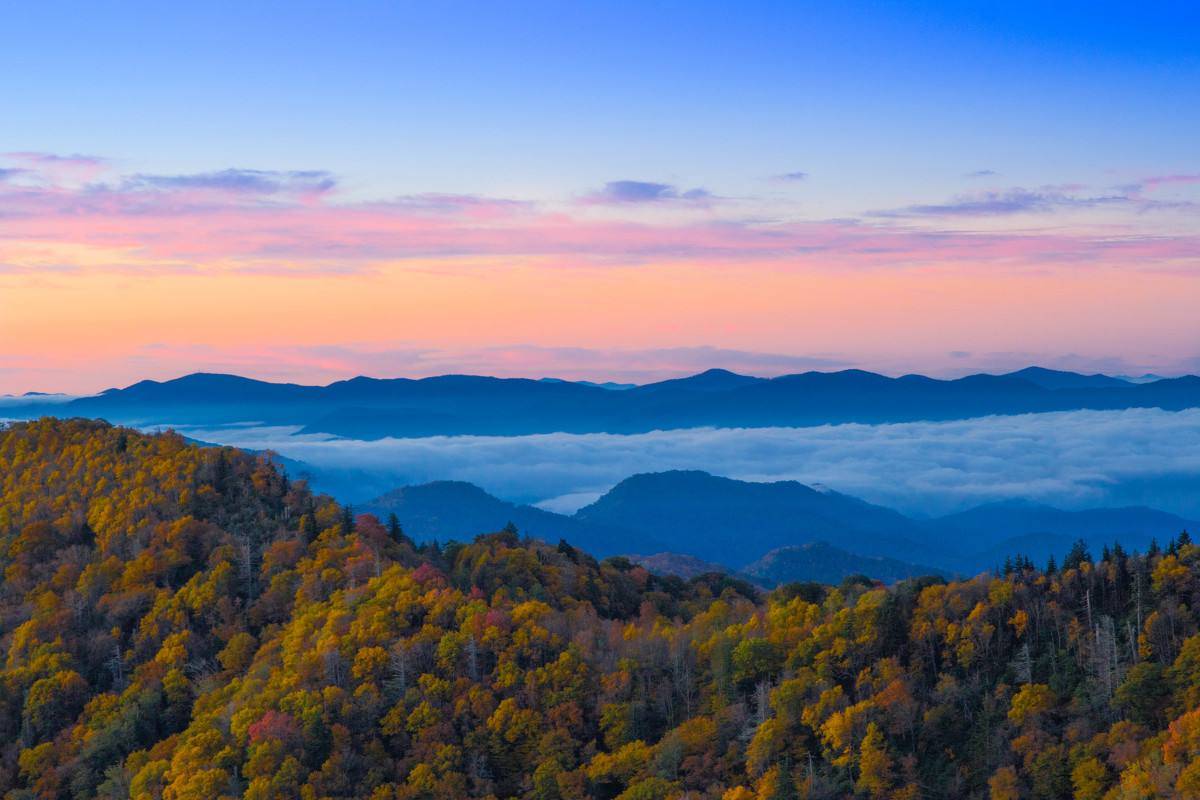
1075, 460
958, 493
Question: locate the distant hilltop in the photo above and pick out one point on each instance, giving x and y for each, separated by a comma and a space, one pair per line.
690, 522
373, 408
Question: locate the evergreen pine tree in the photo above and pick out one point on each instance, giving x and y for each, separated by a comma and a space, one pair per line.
1079, 554
395, 531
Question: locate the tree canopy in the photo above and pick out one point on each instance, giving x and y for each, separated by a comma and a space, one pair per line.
182, 622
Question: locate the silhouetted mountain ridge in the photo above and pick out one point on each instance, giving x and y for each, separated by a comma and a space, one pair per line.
372, 408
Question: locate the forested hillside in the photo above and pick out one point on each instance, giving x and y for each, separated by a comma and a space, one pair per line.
186, 623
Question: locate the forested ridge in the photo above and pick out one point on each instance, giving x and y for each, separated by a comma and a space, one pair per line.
181, 622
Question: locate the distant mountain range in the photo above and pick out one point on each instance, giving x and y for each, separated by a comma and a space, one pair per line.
370, 408
998, 530
688, 523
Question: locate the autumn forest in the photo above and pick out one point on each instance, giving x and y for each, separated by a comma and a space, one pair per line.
188, 623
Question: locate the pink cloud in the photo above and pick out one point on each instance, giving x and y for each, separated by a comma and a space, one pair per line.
50, 160
1162, 180
56, 168
292, 223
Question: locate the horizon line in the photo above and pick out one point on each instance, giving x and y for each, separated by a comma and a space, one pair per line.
1132, 380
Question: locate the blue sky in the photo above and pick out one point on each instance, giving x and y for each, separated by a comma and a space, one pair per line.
876, 101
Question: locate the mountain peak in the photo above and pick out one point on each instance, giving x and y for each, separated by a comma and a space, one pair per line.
442, 490
732, 522
1060, 379
711, 380
195, 380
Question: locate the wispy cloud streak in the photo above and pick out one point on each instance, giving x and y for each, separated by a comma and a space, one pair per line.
1012, 201
1048, 200
296, 223
239, 181
626, 191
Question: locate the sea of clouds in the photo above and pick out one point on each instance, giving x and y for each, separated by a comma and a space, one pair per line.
1074, 459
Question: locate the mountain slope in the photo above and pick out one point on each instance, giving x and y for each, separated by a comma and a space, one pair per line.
1059, 379
736, 522
823, 563
680, 564
1005, 528
445, 510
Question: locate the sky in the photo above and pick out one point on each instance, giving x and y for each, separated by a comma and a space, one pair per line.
613, 191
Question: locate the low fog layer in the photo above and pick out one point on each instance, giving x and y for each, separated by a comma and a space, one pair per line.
1071, 459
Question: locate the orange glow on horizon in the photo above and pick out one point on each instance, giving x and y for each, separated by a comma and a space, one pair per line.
72, 325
